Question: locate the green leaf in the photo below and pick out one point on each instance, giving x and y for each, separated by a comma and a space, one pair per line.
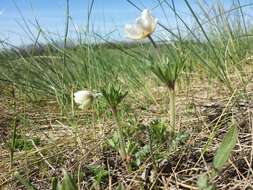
25, 182
114, 141
225, 148
203, 181
99, 173
131, 148
113, 94
120, 187
54, 183
68, 183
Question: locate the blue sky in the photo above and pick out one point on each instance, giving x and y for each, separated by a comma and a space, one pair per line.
108, 16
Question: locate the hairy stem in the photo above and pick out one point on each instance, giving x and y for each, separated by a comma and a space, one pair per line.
172, 96
120, 133
151, 150
14, 129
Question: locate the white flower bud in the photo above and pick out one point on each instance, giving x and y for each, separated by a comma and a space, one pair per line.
84, 98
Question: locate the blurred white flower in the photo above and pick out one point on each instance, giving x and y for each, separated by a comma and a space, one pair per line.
85, 98
144, 26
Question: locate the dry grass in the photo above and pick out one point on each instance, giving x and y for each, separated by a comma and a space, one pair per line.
61, 147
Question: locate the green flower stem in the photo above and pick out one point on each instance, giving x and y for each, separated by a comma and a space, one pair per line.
153, 42
122, 145
14, 129
120, 132
152, 151
172, 96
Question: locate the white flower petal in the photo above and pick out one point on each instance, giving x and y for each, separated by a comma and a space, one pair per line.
147, 18
133, 31
146, 14
83, 98
87, 102
148, 21
145, 26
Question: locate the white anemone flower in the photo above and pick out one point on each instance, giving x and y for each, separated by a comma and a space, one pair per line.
144, 26
85, 98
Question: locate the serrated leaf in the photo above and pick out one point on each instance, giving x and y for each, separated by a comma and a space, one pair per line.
227, 145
